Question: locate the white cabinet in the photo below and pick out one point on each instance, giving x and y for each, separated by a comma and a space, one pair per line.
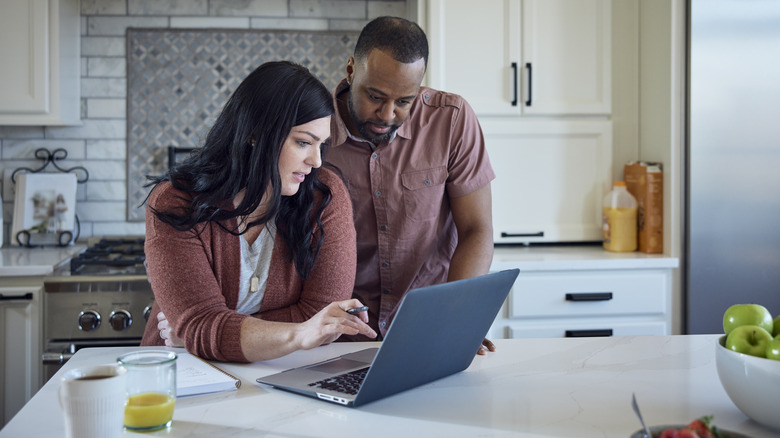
39, 62
20, 347
523, 57
550, 179
584, 291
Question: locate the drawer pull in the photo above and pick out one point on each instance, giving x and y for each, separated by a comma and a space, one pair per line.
26, 297
588, 333
589, 296
537, 234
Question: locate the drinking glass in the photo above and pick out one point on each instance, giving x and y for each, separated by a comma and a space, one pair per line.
151, 385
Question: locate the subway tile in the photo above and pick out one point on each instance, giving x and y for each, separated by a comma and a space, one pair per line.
167, 7
21, 132
210, 22
343, 9
90, 129
106, 108
118, 228
106, 67
349, 25
106, 149
90, 211
103, 46
246, 8
106, 170
117, 26
103, 87
290, 23
103, 7
106, 191
25, 149
382, 8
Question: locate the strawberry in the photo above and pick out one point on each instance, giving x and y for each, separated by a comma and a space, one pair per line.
702, 427
669, 433
686, 433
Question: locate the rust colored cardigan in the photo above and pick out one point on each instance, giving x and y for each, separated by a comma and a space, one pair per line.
195, 277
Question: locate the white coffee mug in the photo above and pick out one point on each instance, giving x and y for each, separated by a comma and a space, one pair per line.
93, 401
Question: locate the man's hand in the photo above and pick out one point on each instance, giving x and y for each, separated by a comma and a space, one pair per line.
485, 347
166, 332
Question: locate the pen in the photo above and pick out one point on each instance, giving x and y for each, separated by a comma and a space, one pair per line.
357, 310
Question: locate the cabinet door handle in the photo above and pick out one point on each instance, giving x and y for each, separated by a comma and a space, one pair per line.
588, 333
26, 297
589, 296
537, 234
530, 72
514, 74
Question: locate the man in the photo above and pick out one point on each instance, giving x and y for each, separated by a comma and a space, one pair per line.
418, 173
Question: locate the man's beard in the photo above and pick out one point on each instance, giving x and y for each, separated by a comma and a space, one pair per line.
364, 132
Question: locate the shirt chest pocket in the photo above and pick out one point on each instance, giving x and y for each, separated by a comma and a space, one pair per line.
423, 192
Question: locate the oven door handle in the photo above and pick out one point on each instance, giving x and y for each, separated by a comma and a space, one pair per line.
26, 297
55, 358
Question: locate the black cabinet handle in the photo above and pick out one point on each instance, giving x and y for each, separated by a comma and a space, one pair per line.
530, 72
589, 296
538, 234
588, 333
27, 297
514, 74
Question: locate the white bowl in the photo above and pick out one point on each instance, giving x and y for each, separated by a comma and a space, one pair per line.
752, 383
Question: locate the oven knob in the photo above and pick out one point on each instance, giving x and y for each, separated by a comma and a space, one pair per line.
120, 320
89, 320
147, 312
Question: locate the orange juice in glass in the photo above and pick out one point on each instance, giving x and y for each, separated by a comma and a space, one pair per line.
151, 385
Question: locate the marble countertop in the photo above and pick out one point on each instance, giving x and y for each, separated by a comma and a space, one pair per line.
18, 261
575, 257
559, 387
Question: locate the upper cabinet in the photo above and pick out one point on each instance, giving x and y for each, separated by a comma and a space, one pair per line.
39, 62
523, 57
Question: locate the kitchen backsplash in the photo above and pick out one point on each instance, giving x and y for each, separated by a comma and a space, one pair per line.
100, 143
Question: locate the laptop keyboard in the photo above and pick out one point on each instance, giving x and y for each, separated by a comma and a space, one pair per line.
347, 383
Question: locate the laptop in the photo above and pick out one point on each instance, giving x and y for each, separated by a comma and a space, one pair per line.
435, 333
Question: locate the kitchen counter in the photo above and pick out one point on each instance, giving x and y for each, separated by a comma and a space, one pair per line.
531, 387
18, 261
575, 257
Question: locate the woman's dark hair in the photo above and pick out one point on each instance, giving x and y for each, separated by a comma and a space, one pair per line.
402, 39
241, 151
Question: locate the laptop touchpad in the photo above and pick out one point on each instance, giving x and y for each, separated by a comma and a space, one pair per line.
337, 366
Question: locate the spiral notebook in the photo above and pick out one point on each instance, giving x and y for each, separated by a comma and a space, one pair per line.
195, 376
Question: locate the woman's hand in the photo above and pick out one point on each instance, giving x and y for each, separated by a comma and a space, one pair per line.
167, 333
331, 322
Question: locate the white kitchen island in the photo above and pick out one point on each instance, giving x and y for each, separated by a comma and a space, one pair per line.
555, 387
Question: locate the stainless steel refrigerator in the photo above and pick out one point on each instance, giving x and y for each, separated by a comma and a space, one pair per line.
733, 152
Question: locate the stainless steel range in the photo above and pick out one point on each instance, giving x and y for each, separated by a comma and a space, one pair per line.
102, 299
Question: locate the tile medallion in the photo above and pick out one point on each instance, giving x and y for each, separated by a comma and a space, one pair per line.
178, 80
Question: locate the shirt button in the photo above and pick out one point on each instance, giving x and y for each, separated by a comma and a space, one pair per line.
378, 193
374, 155
384, 265
383, 228
385, 291
427, 182
382, 324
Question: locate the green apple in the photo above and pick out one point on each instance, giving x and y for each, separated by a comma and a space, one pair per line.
749, 339
773, 349
747, 314
776, 331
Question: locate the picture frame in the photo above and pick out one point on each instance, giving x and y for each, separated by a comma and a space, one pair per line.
44, 209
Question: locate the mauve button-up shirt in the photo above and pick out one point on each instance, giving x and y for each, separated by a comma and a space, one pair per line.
400, 193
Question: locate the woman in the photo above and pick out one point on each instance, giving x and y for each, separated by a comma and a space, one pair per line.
250, 246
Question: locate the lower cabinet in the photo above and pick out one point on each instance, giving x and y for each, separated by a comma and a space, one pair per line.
20, 347
583, 303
